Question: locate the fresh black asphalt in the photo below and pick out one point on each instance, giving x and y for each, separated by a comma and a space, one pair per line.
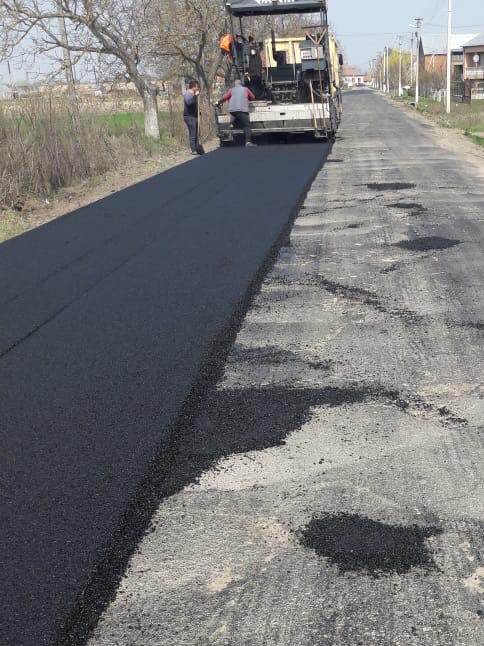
107, 317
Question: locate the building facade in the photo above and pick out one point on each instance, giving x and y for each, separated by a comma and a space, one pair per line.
473, 68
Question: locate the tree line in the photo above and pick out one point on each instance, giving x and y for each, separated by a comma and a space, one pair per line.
137, 40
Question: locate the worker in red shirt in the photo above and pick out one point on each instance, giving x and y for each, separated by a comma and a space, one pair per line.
238, 98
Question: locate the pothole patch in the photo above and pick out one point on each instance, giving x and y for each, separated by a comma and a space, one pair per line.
271, 355
428, 243
356, 543
412, 208
390, 186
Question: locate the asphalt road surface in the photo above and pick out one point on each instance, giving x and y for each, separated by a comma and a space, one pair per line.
331, 492
109, 321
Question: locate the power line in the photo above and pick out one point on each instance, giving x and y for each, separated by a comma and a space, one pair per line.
455, 26
437, 9
377, 33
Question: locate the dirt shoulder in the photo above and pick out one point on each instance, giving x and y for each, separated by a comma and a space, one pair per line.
36, 212
452, 140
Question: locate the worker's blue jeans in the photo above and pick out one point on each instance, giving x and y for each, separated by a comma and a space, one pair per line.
192, 125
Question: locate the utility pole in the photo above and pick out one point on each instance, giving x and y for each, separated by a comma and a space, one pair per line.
384, 70
411, 62
449, 56
400, 90
387, 79
417, 71
388, 69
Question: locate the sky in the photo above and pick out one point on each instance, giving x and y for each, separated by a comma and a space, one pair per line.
364, 27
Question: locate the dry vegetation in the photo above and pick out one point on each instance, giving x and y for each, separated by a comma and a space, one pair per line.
42, 149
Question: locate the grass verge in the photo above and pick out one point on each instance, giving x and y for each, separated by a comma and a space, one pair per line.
465, 117
11, 224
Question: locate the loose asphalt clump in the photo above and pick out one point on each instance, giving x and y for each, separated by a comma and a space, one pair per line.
389, 186
449, 417
322, 364
412, 208
427, 243
391, 268
356, 543
419, 405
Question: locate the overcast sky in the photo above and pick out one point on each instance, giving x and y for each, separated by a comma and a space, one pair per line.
366, 26
363, 26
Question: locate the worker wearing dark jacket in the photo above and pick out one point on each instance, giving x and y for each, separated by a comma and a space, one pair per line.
190, 115
238, 98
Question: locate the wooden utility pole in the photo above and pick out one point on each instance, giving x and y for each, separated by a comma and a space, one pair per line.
449, 56
417, 71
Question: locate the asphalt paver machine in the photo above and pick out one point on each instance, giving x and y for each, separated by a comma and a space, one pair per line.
295, 79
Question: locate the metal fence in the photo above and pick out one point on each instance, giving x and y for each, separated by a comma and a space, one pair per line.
458, 91
477, 92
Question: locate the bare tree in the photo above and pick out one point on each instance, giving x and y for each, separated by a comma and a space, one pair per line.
188, 34
119, 30
187, 37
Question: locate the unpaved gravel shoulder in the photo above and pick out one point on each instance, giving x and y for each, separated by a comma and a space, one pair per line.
452, 140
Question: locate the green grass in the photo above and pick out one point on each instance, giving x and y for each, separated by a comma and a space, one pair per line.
477, 140
119, 122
